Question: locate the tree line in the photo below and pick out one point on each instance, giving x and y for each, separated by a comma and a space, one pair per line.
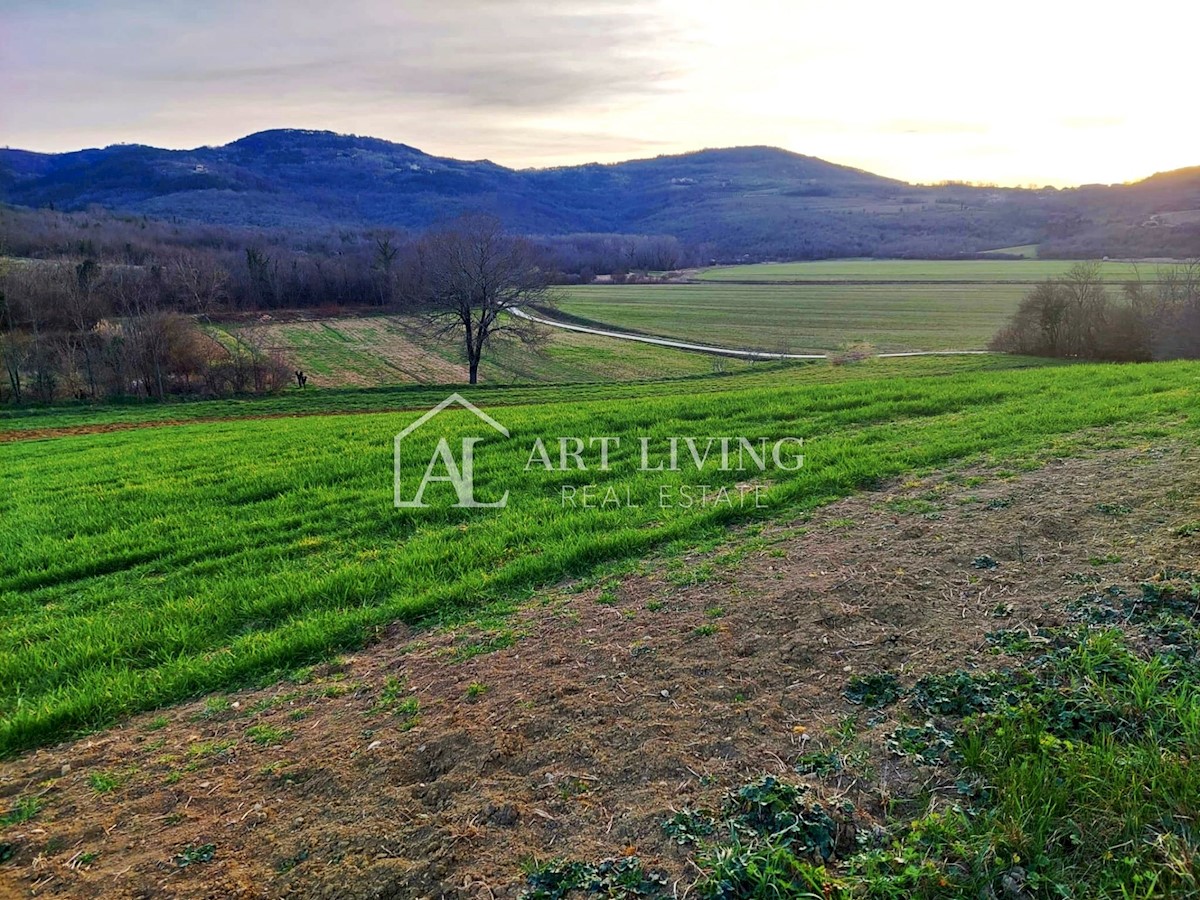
101, 316
1077, 317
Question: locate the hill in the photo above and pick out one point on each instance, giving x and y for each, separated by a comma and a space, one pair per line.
756, 202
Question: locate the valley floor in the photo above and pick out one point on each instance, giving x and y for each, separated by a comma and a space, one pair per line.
438, 763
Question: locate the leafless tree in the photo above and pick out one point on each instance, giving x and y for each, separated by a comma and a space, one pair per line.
474, 279
199, 284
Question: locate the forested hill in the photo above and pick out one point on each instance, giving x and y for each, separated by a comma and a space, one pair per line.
757, 202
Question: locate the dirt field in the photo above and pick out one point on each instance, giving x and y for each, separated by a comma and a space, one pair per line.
433, 764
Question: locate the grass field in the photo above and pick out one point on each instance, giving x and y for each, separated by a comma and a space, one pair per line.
376, 350
141, 567
805, 318
812, 307
916, 270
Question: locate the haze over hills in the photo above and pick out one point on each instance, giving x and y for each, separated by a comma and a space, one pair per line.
746, 201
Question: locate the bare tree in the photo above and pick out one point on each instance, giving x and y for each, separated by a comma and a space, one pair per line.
475, 279
383, 264
199, 283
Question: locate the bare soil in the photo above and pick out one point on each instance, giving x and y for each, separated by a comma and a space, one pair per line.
615, 703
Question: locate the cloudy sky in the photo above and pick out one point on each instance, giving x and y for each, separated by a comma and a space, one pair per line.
1045, 92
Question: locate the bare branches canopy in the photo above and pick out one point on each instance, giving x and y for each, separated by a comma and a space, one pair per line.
475, 279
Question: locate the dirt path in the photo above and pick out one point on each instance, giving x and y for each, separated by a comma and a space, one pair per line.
427, 767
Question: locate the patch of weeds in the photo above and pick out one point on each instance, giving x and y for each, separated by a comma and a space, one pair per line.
191, 855
104, 782
608, 594
298, 715
911, 505
962, 693
706, 630
840, 523
821, 763
24, 810
1082, 578
715, 612
394, 691
615, 878
1108, 559
488, 643
408, 711
156, 724
7, 852
396, 699
1191, 529
1000, 503
984, 562
682, 575
205, 749
775, 810
1016, 641
689, 826
1096, 608
264, 734
302, 675
906, 866
925, 744
570, 787
274, 702
214, 707
287, 864
769, 870
1002, 610
1113, 509
475, 690
875, 691
655, 606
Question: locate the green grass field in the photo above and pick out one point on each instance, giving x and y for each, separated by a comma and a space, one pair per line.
141, 567
917, 270
813, 307
376, 350
804, 318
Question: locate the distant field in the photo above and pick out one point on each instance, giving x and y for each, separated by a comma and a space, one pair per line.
916, 270
1029, 251
379, 350
894, 305
805, 318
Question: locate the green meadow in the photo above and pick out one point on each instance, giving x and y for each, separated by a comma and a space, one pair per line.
798, 318
923, 270
142, 567
814, 307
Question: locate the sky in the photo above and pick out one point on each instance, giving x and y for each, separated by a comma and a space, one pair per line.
1020, 93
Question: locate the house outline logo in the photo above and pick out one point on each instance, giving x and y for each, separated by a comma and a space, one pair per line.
459, 472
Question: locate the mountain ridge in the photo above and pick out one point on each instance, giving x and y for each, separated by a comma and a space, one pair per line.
752, 200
